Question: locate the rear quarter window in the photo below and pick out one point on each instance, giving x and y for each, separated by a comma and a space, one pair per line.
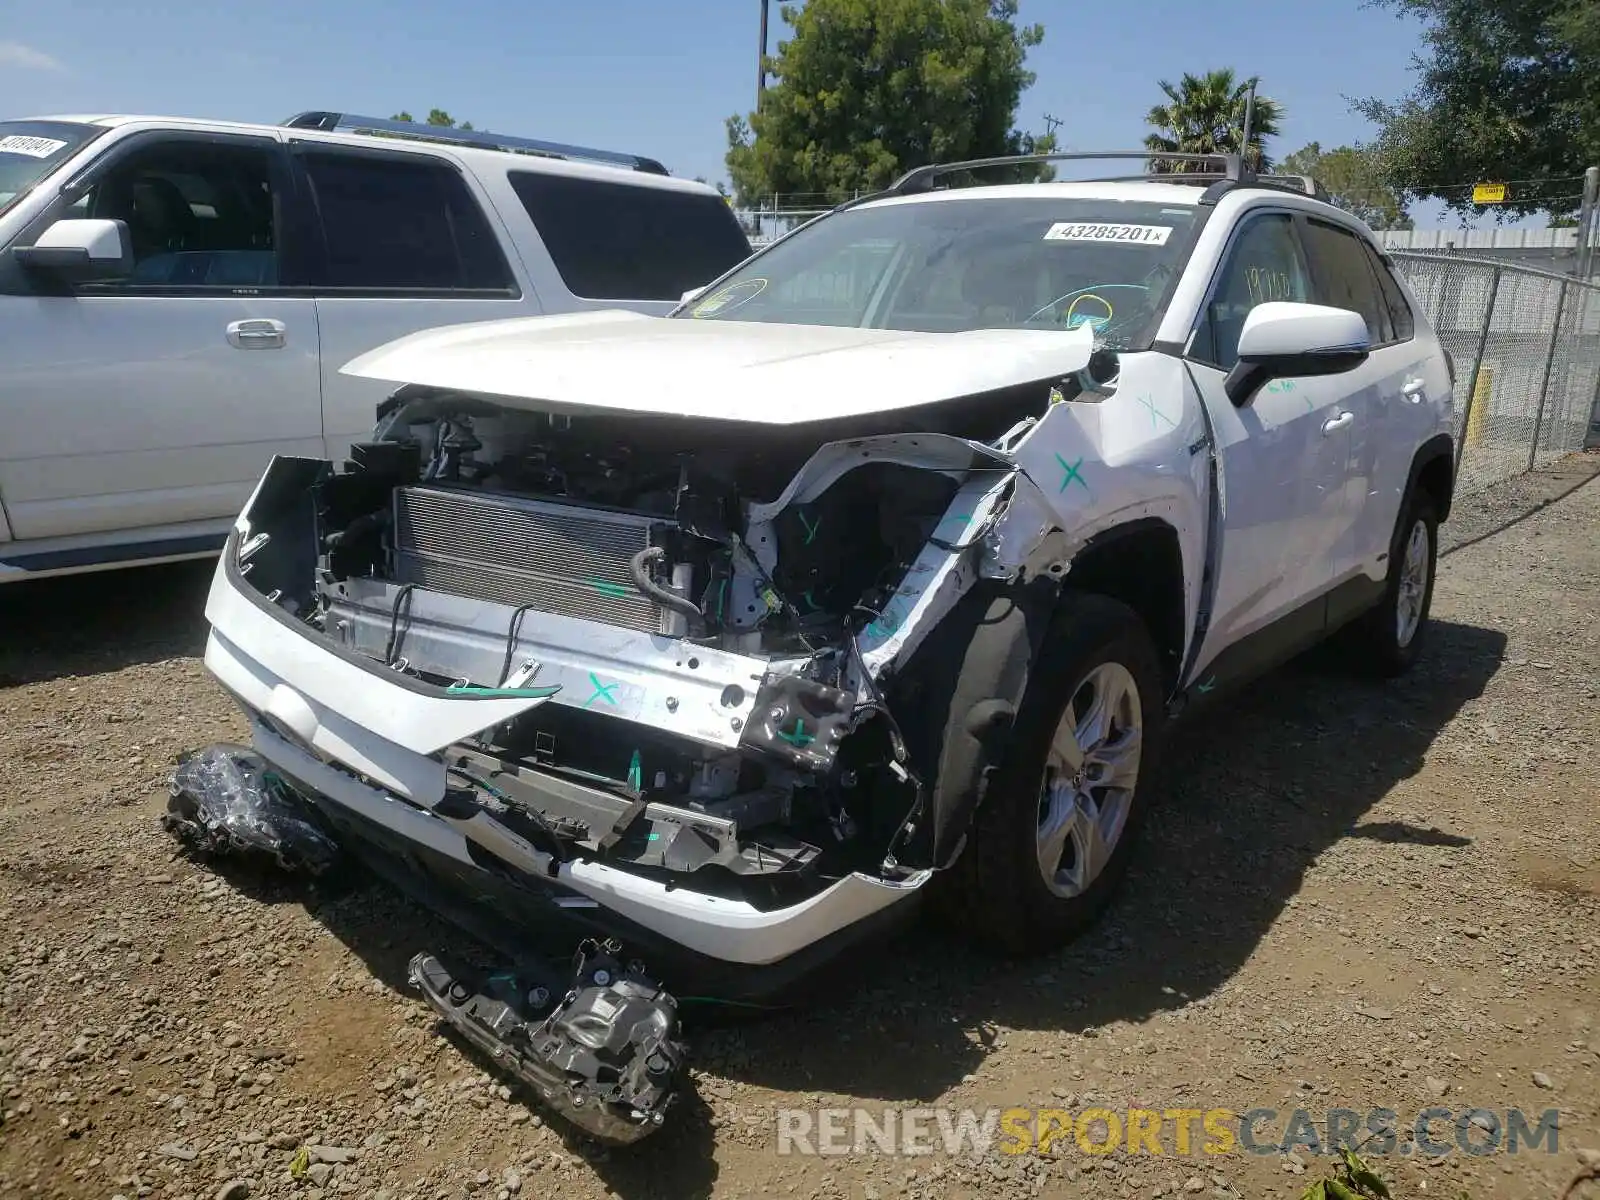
613, 241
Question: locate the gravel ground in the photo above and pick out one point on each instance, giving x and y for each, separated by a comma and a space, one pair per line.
1349, 895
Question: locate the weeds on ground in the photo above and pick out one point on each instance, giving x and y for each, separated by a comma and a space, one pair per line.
1353, 1180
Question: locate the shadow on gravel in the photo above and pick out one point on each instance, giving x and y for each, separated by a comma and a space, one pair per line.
85, 624
1252, 796
384, 929
1476, 518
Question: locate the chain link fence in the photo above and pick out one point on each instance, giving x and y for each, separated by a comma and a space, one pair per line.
1526, 345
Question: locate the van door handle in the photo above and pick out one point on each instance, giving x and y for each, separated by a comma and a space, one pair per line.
257, 333
1414, 390
1333, 424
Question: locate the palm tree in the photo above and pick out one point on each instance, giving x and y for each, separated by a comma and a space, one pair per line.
1205, 115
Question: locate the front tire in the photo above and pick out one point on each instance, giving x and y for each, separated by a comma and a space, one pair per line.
1051, 841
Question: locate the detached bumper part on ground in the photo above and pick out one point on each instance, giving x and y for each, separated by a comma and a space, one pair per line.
226, 800
603, 1051
597, 1042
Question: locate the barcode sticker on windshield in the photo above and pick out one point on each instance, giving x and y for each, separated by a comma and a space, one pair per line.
33, 147
1088, 231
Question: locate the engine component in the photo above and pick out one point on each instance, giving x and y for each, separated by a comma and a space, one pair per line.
601, 1049
555, 557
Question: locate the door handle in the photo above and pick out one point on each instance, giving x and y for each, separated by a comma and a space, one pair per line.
1334, 424
1414, 390
256, 333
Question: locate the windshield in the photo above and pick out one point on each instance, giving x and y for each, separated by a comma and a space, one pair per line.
950, 265
30, 150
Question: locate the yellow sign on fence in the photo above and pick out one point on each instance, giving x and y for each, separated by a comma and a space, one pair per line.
1488, 193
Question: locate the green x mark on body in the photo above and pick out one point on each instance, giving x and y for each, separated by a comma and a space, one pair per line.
1071, 472
602, 691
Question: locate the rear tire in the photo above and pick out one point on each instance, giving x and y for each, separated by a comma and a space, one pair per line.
1051, 841
1387, 641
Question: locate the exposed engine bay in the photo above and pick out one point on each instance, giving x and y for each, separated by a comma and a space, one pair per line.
713, 621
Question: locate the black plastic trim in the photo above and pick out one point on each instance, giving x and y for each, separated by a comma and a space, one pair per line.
126, 552
1270, 647
1440, 445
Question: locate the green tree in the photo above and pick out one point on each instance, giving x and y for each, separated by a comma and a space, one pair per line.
1354, 179
865, 90
1204, 114
436, 117
1507, 91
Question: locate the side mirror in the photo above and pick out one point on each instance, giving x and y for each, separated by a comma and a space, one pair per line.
1283, 339
81, 250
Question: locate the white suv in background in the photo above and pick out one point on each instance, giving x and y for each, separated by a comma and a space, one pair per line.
177, 297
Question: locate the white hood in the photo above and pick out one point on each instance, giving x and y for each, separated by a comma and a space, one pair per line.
726, 370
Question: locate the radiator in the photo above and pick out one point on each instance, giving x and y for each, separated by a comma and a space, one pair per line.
555, 558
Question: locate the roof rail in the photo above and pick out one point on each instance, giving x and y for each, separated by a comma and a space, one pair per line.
1302, 184
921, 179
332, 122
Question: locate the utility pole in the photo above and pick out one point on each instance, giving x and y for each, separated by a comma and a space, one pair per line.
761, 58
1588, 222
1249, 123
1051, 124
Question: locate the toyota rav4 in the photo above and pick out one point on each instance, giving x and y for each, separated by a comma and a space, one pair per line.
871, 573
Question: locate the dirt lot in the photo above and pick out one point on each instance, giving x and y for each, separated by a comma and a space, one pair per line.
1349, 896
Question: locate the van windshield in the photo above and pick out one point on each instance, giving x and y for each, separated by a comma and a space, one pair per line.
950, 265
30, 150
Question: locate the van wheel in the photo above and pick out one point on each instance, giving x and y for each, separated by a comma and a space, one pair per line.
1051, 840
1388, 639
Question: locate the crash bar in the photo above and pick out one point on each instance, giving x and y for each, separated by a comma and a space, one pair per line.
332, 122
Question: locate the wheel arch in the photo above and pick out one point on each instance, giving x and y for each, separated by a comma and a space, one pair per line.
1433, 469
1140, 563
960, 693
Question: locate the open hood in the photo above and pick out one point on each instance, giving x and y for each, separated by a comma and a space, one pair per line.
747, 371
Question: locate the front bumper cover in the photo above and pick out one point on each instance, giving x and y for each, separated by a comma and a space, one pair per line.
292, 687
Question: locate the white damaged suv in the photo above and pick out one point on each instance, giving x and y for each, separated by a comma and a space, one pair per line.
873, 571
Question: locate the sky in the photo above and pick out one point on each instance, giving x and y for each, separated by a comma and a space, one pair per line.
658, 78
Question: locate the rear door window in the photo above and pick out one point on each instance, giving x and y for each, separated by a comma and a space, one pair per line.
389, 222
612, 241
1344, 277
1402, 321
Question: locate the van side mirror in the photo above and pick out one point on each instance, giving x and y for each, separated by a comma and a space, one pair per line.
81, 249
1285, 339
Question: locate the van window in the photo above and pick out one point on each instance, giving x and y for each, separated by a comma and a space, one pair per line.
200, 214
401, 223
613, 241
